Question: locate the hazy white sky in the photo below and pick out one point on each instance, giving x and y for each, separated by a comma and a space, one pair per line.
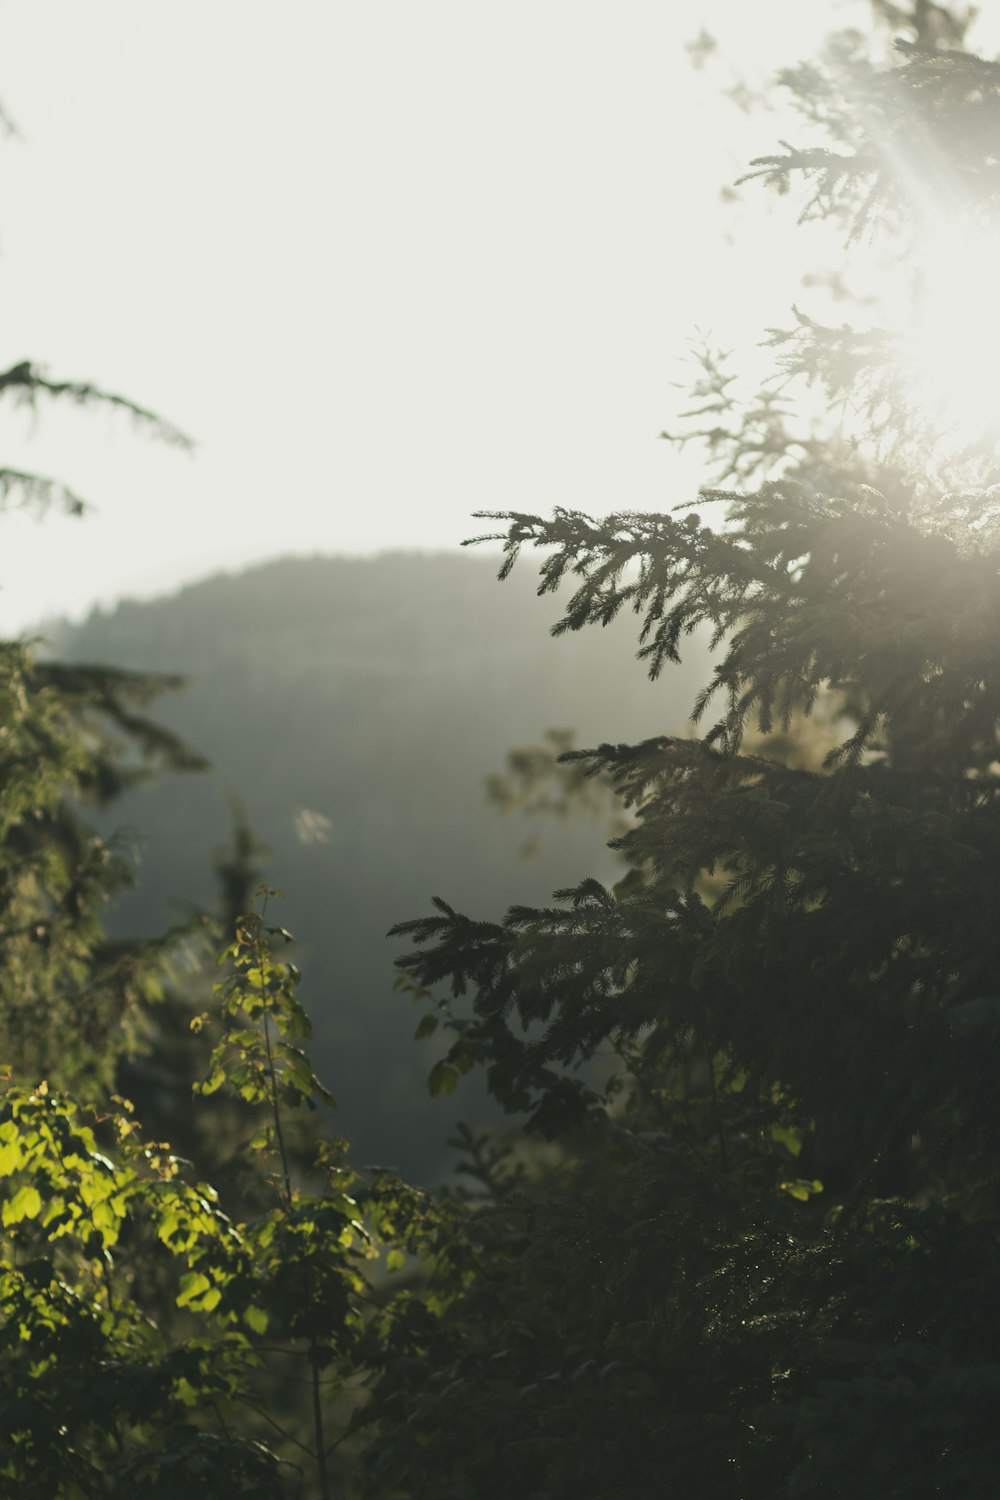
389, 263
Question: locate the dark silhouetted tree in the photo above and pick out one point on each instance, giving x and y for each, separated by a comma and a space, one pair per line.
760, 1257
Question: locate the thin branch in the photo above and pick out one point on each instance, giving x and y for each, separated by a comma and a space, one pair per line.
317, 1407
26, 380
276, 1425
272, 1076
40, 492
321, 1450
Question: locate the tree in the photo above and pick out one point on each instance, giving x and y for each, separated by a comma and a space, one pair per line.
73, 736
140, 1320
158, 1334
761, 1257
756, 1254
94, 1394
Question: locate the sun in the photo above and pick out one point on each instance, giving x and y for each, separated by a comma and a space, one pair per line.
952, 348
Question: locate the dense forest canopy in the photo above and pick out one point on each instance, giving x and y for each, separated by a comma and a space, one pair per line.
740, 1240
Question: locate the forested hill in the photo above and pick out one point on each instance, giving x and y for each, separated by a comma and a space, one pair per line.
357, 706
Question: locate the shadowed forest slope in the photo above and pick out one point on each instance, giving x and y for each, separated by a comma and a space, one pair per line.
356, 706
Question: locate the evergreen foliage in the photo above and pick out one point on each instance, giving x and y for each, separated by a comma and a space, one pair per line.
766, 1262
74, 737
748, 1247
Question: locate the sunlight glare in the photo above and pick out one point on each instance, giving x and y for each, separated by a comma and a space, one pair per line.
951, 348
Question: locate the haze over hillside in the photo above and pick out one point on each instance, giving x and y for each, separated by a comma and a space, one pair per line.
356, 705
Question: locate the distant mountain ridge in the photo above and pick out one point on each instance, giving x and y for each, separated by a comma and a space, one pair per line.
356, 705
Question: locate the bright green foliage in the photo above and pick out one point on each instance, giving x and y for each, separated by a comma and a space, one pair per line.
94, 1399
263, 1019
142, 1329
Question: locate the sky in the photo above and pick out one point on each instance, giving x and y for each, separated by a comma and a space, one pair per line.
387, 263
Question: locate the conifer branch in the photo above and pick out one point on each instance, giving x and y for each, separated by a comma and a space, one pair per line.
40, 493
26, 381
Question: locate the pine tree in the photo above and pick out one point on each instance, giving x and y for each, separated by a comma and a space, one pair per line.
72, 737
760, 1258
